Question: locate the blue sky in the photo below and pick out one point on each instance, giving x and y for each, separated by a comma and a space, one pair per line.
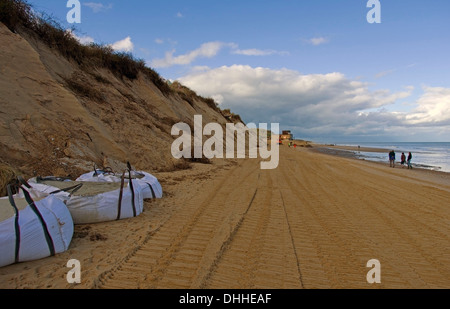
316, 67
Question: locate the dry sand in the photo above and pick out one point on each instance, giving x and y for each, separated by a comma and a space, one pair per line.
314, 222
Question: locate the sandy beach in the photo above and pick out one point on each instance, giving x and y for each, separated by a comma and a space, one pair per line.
139, 83
312, 223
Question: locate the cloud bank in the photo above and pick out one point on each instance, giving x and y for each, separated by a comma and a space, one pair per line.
321, 105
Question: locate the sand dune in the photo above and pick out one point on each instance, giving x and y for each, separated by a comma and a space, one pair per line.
312, 223
58, 117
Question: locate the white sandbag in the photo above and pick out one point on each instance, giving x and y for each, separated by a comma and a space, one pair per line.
96, 202
41, 229
147, 183
99, 177
108, 206
39, 191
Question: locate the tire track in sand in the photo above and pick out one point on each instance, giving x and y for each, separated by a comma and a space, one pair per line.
310, 223
262, 253
179, 252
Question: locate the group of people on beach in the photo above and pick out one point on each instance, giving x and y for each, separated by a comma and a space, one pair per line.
403, 159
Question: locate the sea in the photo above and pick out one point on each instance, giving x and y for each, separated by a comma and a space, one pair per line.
433, 156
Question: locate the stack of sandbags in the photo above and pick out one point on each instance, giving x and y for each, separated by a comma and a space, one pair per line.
38, 221
93, 202
100, 195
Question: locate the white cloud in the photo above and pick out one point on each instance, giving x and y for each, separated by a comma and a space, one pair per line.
169, 41
320, 105
433, 107
200, 68
384, 73
125, 45
85, 40
206, 50
257, 52
391, 71
278, 89
98, 7
179, 15
318, 41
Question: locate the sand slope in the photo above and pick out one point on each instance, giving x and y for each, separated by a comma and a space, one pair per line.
312, 223
48, 128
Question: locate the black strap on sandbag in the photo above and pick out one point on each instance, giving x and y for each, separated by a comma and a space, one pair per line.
119, 210
48, 237
105, 171
34, 208
132, 193
108, 171
73, 189
141, 174
95, 171
16, 224
131, 187
122, 182
22, 181
153, 192
40, 179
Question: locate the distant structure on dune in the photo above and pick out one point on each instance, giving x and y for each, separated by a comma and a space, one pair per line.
286, 135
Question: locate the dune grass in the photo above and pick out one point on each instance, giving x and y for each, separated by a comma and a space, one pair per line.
18, 16
7, 176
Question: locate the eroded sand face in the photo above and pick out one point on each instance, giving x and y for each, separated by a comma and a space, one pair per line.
314, 222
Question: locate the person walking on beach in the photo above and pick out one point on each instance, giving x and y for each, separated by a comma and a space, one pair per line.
409, 161
403, 159
392, 158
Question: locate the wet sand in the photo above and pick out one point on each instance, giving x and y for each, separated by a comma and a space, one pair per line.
353, 148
